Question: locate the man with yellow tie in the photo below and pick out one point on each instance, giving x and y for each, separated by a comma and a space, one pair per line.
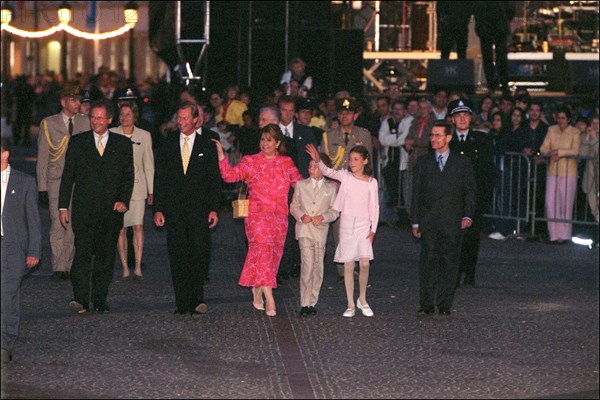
98, 179
186, 201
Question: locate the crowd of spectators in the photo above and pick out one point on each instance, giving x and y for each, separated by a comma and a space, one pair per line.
232, 113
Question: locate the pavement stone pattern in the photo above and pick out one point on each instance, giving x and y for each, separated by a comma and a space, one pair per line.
529, 329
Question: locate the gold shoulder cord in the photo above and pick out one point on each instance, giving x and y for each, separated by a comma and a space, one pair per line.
57, 151
339, 155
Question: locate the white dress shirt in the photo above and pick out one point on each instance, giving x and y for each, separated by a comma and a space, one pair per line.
5, 176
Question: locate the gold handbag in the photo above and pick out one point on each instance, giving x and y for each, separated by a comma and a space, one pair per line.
242, 204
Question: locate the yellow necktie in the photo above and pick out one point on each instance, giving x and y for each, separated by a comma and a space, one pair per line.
185, 157
100, 145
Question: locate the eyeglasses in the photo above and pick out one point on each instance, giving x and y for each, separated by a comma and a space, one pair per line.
97, 117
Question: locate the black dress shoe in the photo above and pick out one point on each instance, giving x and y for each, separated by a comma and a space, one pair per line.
445, 312
426, 311
312, 310
102, 308
304, 311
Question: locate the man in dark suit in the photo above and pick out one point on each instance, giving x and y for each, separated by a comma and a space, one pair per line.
300, 136
476, 146
187, 196
443, 206
21, 243
99, 176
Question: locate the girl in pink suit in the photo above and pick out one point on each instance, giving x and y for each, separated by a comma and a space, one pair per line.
269, 175
358, 203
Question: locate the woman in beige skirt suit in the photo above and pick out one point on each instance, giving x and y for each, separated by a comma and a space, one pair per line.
143, 161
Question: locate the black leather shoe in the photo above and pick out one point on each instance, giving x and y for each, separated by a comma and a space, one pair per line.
6, 356
101, 308
425, 311
304, 311
312, 310
445, 312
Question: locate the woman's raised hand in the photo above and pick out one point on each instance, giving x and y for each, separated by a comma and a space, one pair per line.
220, 153
312, 152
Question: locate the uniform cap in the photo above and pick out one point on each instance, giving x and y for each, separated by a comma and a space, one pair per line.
347, 104
458, 106
128, 95
71, 91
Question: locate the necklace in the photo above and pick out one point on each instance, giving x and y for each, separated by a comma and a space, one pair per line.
358, 177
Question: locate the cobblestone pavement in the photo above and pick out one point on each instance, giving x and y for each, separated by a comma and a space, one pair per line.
528, 330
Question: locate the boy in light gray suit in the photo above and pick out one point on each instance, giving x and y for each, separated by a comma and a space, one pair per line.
21, 243
312, 207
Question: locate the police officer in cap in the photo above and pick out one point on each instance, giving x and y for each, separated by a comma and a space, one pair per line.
476, 146
304, 114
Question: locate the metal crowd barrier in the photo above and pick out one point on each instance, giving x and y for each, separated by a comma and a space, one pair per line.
520, 194
581, 214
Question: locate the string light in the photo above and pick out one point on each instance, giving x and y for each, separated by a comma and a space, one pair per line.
64, 14
68, 29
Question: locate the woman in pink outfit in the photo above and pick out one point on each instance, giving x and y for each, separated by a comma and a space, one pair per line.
561, 145
269, 175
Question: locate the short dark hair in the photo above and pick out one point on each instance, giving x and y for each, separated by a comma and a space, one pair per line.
192, 106
448, 127
6, 144
102, 103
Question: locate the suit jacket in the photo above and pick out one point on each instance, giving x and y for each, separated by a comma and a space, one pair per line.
198, 191
478, 148
310, 202
52, 144
96, 182
20, 216
143, 162
441, 199
303, 135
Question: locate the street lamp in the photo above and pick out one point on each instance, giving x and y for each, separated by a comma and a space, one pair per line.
7, 15
131, 18
64, 16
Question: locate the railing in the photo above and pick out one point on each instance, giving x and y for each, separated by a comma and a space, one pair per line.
519, 198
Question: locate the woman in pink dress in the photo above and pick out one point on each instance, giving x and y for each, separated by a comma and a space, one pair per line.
269, 175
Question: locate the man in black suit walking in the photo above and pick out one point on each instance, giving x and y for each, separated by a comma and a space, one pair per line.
443, 205
98, 175
475, 145
187, 196
21, 244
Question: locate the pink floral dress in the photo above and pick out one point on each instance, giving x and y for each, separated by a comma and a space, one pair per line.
269, 181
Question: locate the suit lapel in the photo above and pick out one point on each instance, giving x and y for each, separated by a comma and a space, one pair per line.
10, 187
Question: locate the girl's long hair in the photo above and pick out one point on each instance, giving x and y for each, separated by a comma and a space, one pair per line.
364, 153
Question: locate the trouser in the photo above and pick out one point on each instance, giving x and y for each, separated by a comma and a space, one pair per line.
13, 271
189, 256
62, 241
438, 268
312, 254
93, 265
